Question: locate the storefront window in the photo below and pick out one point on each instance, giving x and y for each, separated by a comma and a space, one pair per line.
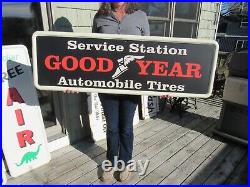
184, 30
172, 19
158, 28
19, 22
186, 10
155, 9
186, 20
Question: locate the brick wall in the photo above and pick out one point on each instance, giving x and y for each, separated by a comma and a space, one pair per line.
209, 18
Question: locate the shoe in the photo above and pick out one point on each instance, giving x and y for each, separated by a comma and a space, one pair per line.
124, 175
107, 176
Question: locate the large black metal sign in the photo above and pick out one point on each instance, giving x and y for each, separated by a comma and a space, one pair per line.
120, 64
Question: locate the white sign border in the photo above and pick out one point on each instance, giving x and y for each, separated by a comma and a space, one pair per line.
123, 37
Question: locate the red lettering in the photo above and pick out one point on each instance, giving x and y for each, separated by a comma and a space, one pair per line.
25, 136
176, 70
71, 63
109, 65
193, 70
13, 95
83, 66
53, 65
143, 66
74, 63
19, 117
160, 68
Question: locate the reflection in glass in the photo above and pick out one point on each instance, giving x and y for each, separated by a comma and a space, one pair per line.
156, 28
17, 10
19, 22
184, 30
156, 9
186, 10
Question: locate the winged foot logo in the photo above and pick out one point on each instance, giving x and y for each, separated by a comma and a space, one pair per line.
123, 64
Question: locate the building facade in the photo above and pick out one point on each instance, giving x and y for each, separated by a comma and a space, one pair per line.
66, 116
233, 27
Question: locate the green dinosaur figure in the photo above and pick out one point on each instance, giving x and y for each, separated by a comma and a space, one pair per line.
29, 156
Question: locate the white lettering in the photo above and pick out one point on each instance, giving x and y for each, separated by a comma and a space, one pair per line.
143, 168
119, 165
133, 48
72, 44
62, 81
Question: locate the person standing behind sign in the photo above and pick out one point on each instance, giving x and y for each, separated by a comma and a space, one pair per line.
119, 110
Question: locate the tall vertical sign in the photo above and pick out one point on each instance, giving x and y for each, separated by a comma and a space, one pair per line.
24, 141
150, 106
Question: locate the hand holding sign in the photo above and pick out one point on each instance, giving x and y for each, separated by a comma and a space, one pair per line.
70, 91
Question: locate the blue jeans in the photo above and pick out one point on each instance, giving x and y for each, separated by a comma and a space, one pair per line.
119, 111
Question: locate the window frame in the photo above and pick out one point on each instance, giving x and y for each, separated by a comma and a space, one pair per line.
172, 19
192, 21
157, 18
